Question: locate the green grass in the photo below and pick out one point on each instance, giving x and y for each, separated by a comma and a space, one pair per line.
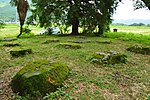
132, 29
87, 81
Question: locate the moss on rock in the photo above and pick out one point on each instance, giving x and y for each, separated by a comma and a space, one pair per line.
140, 49
20, 52
69, 45
11, 44
51, 41
110, 57
79, 41
104, 41
39, 76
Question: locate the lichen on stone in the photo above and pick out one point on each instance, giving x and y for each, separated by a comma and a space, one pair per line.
140, 49
39, 76
69, 45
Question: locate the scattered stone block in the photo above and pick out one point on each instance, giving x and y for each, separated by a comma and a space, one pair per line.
20, 52
9, 39
39, 76
11, 44
69, 45
82, 37
80, 41
51, 41
140, 49
110, 57
104, 41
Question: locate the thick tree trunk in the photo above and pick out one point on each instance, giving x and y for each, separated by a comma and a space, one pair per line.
75, 24
20, 31
100, 30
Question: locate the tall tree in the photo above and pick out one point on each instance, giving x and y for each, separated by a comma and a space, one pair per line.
89, 13
22, 8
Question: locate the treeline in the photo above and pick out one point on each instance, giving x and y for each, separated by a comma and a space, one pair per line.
133, 24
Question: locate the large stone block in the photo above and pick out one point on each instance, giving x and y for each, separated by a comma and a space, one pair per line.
69, 45
39, 77
140, 49
20, 52
110, 57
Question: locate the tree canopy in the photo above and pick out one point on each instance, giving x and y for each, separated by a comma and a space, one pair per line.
87, 14
91, 15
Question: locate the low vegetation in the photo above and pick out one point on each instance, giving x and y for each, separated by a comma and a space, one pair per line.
86, 80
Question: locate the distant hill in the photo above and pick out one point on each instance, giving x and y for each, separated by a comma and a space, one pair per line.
7, 12
131, 21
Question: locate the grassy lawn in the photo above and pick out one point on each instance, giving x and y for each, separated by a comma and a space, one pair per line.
87, 81
132, 29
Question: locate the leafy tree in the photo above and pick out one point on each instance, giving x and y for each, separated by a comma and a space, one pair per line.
2, 25
22, 8
89, 14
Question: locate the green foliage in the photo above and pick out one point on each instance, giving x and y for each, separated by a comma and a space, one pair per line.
2, 25
137, 24
86, 14
26, 30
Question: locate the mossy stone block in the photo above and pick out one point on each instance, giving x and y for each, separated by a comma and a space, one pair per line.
79, 41
51, 41
9, 39
11, 44
140, 49
104, 41
39, 77
20, 52
69, 45
110, 57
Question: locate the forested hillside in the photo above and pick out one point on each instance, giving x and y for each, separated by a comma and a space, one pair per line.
7, 13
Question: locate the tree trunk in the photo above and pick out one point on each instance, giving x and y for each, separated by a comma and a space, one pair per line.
20, 31
100, 30
75, 24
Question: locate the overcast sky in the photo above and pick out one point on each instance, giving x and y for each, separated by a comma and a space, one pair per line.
126, 11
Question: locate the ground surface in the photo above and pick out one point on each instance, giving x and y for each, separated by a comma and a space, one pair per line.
87, 81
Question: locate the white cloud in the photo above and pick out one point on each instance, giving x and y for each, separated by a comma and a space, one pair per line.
126, 11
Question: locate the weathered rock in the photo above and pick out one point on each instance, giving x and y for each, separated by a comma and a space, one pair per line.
51, 41
11, 44
20, 52
79, 41
9, 39
105, 41
82, 37
140, 49
39, 77
110, 57
69, 45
